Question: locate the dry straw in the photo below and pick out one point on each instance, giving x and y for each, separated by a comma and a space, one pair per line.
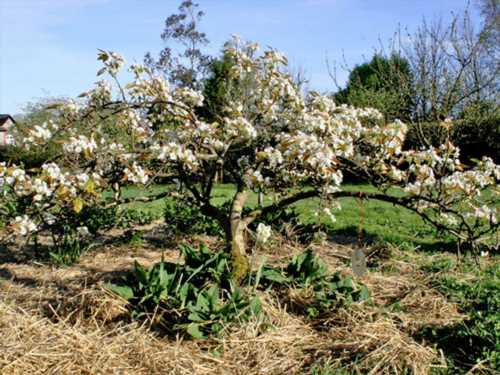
61, 321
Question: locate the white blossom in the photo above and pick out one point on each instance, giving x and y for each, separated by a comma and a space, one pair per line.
263, 233
80, 144
23, 225
136, 174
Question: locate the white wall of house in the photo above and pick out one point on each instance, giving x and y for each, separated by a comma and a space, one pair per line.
5, 135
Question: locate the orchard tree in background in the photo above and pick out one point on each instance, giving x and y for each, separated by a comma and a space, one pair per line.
218, 89
270, 137
453, 67
456, 72
438, 70
183, 60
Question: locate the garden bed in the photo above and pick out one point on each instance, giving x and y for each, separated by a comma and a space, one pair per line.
64, 320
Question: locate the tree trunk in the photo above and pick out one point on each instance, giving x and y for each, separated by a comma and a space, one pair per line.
236, 242
241, 265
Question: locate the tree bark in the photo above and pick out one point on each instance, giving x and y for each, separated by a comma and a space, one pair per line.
241, 265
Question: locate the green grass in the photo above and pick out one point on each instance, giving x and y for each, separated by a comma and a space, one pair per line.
381, 221
476, 291
155, 207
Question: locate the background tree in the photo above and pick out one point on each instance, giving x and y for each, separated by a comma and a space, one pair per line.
188, 65
217, 89
33, 115
384, 83
452, 66
456, 72
490, 11
447, 70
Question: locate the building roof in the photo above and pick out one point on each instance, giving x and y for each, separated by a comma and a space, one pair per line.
4, 118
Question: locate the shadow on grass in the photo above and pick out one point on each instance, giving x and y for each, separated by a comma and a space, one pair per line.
459, 343
350, 235
21, 254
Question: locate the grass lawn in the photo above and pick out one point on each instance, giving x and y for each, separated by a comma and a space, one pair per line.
382, 221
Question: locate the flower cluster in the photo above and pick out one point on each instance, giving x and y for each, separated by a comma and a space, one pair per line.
47, 192
24, 225
263, 233
136, 174
80, 144
39, 134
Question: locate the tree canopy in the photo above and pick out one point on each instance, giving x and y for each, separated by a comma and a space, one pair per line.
270, 137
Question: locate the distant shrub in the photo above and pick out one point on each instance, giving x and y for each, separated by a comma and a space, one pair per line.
34, 158
184, 216
130, 216
476, 134
97, 218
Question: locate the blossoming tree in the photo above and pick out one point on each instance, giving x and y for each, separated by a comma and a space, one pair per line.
270, 137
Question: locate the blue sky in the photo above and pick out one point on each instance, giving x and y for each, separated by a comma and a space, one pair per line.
48, 47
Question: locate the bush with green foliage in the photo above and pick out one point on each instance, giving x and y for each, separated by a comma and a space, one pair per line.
476, 131
307, 270
28, 158
379, 84
199, 298
196, 297
96, 218
184, 216
129, 217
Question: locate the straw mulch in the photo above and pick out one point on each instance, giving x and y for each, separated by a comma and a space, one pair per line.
62, 321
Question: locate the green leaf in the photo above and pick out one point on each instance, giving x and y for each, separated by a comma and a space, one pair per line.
202, 303
194, 330
123, 291
162, 274
274, 276
213, 296
255, 306
364, 293
216, 328
348, 283
258, 275
140, 273
183, 294
195, 317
